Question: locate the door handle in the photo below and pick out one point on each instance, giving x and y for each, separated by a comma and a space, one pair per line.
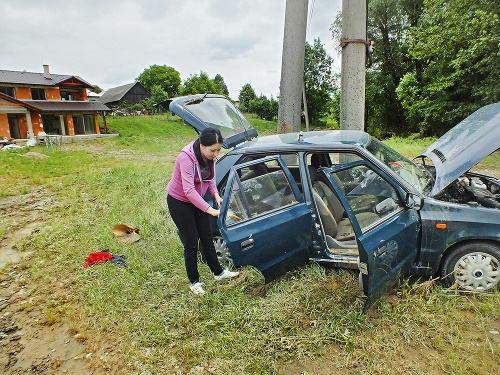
245, 245
380, 251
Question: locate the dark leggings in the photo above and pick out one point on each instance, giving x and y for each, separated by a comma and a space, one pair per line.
194, 225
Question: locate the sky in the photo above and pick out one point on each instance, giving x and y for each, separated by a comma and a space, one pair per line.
109, 43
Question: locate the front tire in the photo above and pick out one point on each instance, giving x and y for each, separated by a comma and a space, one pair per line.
473, 266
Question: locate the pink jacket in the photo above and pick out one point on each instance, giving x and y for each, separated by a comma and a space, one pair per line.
186, 184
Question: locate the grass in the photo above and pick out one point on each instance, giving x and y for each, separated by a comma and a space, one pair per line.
241, 326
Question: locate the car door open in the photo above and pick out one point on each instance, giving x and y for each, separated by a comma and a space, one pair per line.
264, 219
387, 232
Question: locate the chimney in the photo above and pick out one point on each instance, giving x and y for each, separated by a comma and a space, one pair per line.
46, 72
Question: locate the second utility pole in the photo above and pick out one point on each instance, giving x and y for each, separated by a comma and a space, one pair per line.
292, 66
352, 84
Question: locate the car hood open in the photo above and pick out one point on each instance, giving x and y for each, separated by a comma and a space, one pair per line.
464, 146
210, 110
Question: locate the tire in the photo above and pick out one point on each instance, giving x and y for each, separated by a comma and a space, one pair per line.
473, 266
222, 252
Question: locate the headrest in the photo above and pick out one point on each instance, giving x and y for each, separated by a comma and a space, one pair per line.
312, 173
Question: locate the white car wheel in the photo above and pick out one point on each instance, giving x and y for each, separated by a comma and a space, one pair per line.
473, 266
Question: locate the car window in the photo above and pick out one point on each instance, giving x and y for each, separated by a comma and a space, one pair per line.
370, 196
291, 161
257, 190
405, 168
222, 114
326, 160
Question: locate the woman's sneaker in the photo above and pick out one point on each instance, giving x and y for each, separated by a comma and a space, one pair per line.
197, 288
226, 274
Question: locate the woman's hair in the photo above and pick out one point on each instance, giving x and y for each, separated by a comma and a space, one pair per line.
210, 136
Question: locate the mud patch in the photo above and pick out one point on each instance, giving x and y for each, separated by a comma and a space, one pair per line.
21, 217
8, 251
30, 343
34, 155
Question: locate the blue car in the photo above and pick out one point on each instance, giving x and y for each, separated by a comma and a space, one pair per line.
346, 199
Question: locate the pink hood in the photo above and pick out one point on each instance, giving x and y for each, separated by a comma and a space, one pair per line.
186, 184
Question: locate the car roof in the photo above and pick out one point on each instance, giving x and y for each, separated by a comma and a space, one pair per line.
309, 141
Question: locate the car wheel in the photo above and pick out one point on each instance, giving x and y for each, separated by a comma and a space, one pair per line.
222, 252
473, 266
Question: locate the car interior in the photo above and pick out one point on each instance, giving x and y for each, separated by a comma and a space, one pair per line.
337, 227
263, 187
370, 197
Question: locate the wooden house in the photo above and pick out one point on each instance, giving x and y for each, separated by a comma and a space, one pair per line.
131, 93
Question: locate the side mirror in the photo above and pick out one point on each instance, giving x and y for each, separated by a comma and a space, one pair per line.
414, 201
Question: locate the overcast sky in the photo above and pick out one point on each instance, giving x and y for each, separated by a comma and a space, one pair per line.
109, 43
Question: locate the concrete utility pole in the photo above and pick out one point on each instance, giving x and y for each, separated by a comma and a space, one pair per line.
292, 66
352, 84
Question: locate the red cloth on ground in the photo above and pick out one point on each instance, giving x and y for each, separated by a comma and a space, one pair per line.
95, 258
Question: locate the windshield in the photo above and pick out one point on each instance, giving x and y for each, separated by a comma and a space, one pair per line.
402, 166
221, 114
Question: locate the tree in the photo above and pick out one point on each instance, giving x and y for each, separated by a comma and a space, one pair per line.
263, 107
163, 76
220, 82
435, 62
199, 84
246, 94
95, 89
319, 81
388, 26
457, 41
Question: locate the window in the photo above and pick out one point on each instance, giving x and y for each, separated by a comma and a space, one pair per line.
326, 160
38, 94
67, 95
370, 196
257, 190
89, 124
291, 161
78, 124
222, 114
51, 125
8, 91
405, 168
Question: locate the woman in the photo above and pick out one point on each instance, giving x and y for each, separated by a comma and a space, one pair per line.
194, 173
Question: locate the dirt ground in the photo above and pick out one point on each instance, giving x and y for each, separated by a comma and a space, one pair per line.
31, 341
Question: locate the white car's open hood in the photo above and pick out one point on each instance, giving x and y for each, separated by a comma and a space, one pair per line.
464, 146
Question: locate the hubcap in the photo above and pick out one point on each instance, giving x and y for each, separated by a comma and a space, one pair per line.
477, 271
222, 252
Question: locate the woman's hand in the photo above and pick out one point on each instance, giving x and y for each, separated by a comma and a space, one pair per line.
218, 199
212, 211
